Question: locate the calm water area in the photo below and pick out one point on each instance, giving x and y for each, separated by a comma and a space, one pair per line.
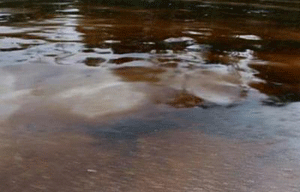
142, 96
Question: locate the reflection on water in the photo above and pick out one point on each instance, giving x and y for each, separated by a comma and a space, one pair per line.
149, 95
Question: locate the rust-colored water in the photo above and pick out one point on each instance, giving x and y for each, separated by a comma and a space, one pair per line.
149, 96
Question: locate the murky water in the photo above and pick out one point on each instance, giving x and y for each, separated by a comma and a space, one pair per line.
149, 96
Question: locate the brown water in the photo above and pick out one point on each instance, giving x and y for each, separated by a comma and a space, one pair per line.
149, 96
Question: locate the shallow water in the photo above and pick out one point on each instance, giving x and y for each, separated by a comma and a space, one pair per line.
149, 96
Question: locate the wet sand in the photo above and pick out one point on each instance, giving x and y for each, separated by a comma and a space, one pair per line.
187, 96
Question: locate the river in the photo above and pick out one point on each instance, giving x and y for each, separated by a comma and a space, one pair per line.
149, 96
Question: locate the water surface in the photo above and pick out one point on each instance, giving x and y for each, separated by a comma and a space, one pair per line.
149, 96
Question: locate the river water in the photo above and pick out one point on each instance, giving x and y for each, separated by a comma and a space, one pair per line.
149, 96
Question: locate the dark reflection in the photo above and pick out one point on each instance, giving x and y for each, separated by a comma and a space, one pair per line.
93, 62
218, 9
135, 28
280, 94
28, 10
281, 75
123, 60
289, 47
139, 74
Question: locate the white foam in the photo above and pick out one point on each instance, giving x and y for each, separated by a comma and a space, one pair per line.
179, 40
248, 37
